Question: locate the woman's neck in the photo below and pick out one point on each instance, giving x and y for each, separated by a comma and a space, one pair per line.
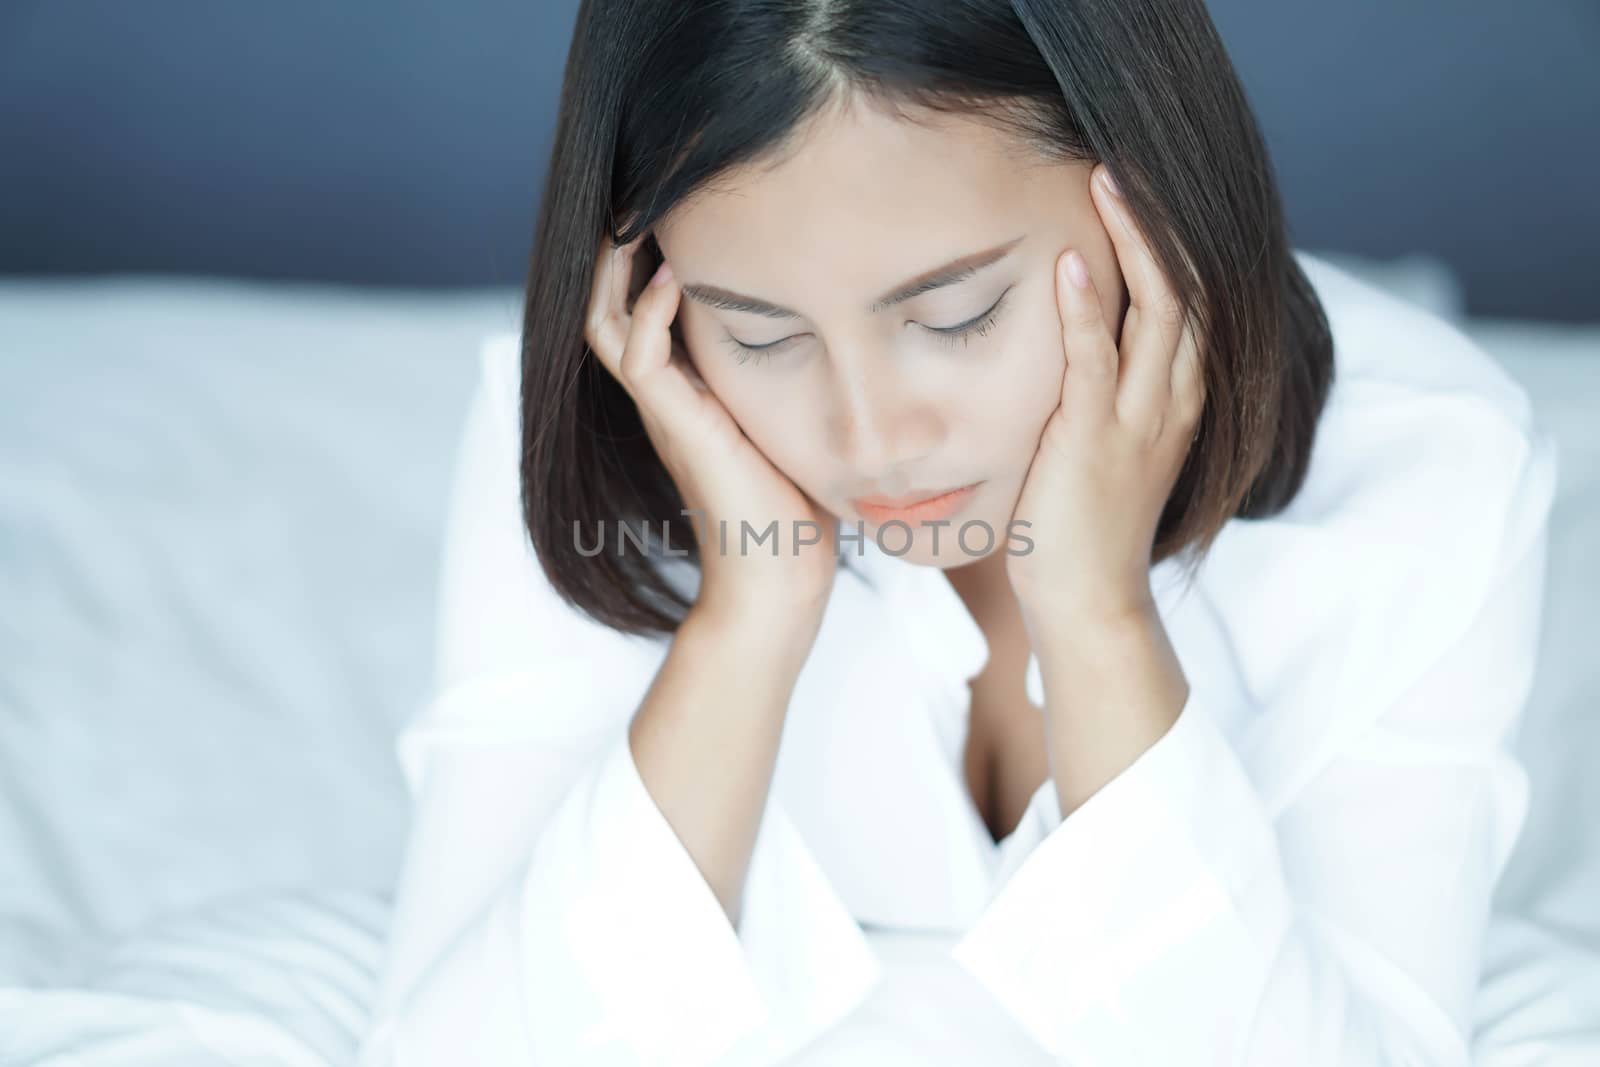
986, 591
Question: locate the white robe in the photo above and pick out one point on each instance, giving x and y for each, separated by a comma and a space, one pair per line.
1298, 873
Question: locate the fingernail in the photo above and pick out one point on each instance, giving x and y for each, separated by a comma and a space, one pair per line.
662, 275
1110, 184
1077, 274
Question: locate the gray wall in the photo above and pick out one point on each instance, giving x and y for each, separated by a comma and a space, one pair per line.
403, 142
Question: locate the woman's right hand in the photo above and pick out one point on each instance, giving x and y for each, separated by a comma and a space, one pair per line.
717, 470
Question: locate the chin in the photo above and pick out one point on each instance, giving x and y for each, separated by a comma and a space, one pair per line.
954, 550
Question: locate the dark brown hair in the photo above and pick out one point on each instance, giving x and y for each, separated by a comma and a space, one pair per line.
660, 99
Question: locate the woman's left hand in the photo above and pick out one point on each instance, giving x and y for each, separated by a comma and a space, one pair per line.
1112, 450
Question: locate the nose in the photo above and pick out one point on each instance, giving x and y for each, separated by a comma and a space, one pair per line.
880, 429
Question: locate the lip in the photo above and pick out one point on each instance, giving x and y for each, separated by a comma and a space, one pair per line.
940, 505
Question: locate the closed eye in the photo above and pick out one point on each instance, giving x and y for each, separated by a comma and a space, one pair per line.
948, 335
965, 331
745, 353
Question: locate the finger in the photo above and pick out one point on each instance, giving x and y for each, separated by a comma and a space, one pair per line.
681, 360
652, 367
648, 348
607, 322
1155, 319
1090, 386
1188, 381
604, 335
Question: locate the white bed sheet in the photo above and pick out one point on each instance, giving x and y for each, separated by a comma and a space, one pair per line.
219, 523
219, 514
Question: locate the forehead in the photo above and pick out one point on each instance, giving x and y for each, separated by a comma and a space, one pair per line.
859, 197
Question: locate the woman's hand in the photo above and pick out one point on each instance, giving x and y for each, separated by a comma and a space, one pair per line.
718, 471
1112, 451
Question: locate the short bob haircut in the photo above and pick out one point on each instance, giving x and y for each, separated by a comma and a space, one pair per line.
660, 98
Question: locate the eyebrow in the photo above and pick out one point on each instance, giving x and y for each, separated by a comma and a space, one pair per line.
957, 270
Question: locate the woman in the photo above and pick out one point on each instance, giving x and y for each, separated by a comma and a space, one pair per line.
1189, 596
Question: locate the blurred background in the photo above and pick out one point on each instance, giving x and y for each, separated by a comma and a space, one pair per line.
249, 255
402, 142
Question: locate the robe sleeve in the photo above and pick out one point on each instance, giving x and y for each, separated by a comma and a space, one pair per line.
546, 913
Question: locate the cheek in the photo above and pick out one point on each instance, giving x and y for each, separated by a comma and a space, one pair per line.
1005, 412
700, 342
761, 403
732, 384
737, 386
1019, 398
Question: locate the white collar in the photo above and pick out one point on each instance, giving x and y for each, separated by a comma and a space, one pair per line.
947, 637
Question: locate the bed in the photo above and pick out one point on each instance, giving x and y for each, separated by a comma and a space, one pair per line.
220, 512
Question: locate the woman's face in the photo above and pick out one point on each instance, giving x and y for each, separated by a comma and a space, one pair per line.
862, 393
